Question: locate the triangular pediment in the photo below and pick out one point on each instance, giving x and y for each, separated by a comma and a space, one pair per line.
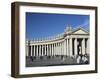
80, 31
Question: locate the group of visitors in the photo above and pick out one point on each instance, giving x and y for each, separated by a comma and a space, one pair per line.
82, 59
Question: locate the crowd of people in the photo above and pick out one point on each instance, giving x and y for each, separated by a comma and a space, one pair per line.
82, 59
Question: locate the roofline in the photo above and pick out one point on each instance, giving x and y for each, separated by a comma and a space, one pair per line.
81, 29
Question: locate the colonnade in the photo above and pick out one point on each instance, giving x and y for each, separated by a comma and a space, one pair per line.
67, 46
45, 49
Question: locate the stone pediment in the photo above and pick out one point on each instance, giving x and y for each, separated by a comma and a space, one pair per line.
80, 31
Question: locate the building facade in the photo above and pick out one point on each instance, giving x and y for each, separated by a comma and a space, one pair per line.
70, 43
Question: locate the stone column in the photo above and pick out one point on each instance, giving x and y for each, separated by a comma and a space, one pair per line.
56, 48
42, 50
27, 50
34, 51
49, 50
61, 49
37, 51
75, 46
83, 46
31, 50
70, 44
88, 45
45, 49
67, 47
52, 50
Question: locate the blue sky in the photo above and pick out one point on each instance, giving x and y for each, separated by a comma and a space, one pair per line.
41, 25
